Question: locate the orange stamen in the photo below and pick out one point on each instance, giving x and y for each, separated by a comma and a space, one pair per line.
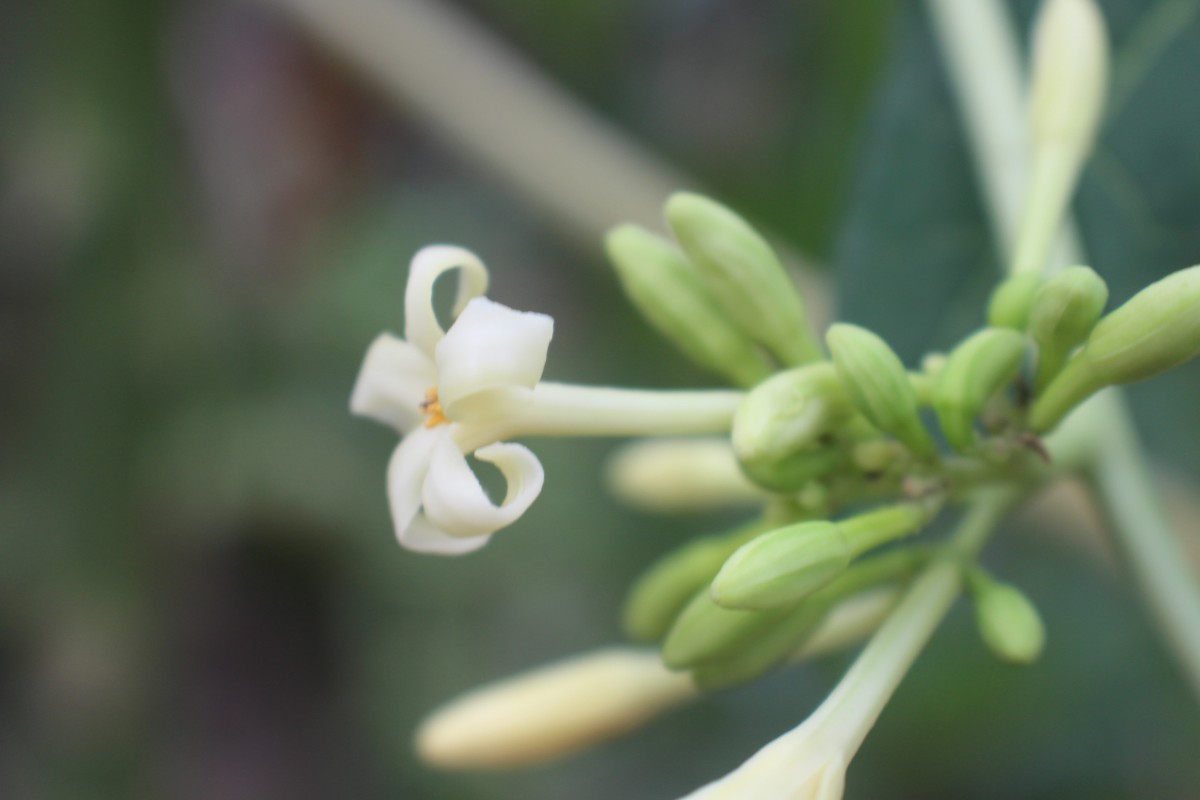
432, 409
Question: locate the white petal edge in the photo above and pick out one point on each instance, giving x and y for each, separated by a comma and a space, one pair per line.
422, 536
456, 503
491, 345
392, 383
421, 326
406, 475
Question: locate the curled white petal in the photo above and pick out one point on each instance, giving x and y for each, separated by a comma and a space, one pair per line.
392, 383
488, 346
455, 501
421, 326
422, 536
406, 475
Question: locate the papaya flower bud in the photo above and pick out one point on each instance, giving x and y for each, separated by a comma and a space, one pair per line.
767, 651
705, 631
549, 712
788, 564
878, 385
668, 291
783, 566
977, 369
1011, 300
1064, 312
666, 588
1156, 329
680, 475
1070, 78
789, 412
743, 272
1008, 622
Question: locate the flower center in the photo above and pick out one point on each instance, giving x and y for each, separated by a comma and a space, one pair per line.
432, 409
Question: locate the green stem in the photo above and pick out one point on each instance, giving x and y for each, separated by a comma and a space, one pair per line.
1123, 485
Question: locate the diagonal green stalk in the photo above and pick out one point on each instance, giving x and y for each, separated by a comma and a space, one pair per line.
979, 44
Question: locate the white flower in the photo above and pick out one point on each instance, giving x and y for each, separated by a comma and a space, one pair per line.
424, 386
467, 389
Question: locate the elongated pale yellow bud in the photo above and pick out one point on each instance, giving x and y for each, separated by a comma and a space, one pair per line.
680, 475
665, 589
550, 712
743, 272
878, 385
1070, 78
1008, 622
1155, 330
977, 369
1064, 312
670, 293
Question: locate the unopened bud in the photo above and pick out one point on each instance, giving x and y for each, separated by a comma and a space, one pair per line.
663, 591
1009, 623
773, 647
551, 712
743, 272
1070, 73
1070, 78
789, 412
1011, 301
1155, 330
1064, 312
879, 526
878, 385
977, 369
783, 566
679, 475
670, 293
794, 472
705, 631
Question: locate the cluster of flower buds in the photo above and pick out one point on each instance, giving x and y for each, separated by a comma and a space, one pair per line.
846, 450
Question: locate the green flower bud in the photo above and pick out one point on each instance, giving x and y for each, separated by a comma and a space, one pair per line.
1011, 301
878, 385
1155, 330
793, 472
704, 631
771, 648
1064, 312
789, 412
1009, 623
670, 294
783, 566
977, 369
778, 642
743, 272
876, 455
1070, 76
665, 589
878, 527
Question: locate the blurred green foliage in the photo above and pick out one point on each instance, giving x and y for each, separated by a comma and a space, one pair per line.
205, 221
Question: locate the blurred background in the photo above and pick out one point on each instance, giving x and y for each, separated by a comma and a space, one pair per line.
206, 212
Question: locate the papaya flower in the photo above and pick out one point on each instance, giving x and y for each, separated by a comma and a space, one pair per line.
469, 388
